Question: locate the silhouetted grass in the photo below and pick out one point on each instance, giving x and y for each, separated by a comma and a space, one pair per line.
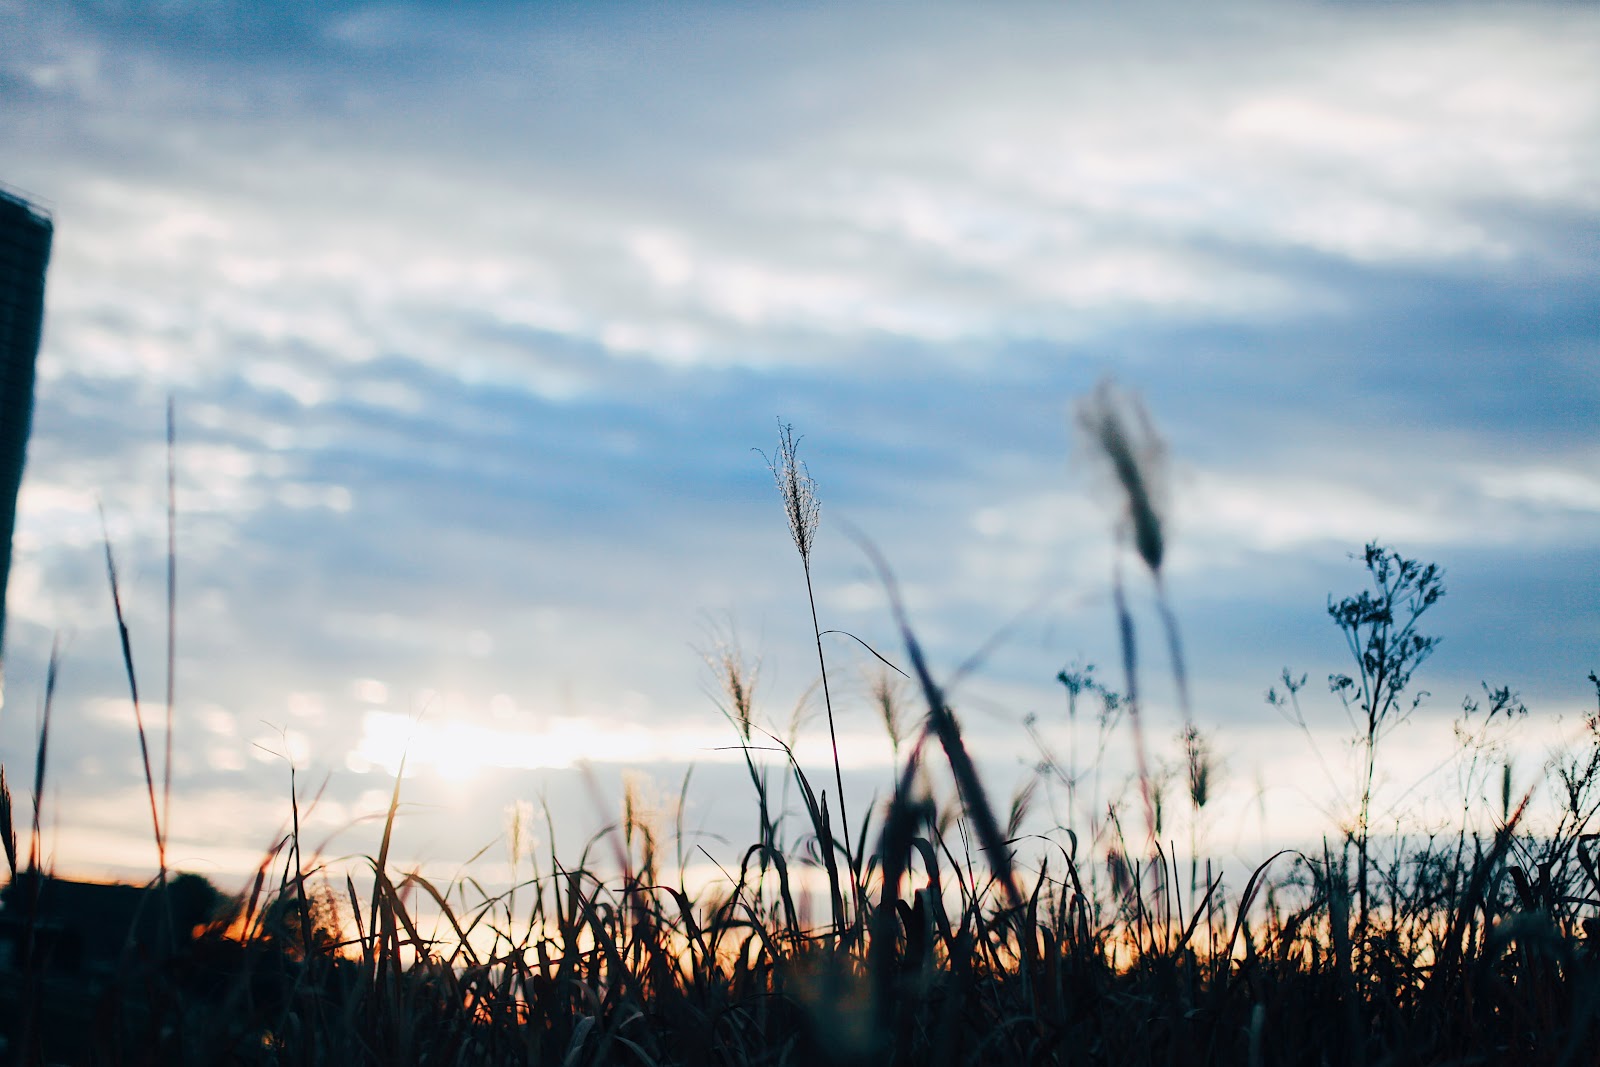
959, 942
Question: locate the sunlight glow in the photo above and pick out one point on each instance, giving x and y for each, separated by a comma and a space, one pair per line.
457, 750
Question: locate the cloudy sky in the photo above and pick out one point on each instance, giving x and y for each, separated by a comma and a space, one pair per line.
473, 321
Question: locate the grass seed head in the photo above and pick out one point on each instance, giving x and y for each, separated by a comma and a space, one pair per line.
519, 817
887, 699
1118, 433
737, 678
799, 491
1201, 765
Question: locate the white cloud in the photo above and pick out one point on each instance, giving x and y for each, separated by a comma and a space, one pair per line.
1057, 177
1564, 489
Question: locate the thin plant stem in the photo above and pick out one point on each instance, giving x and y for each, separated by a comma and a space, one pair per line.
827, 703
172, 611
1130, 667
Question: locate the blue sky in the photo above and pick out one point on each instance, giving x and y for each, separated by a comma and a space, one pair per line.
472, 321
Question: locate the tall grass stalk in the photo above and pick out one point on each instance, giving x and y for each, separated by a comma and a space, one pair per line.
803, 510
1118, 435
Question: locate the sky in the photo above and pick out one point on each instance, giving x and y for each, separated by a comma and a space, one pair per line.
477, 319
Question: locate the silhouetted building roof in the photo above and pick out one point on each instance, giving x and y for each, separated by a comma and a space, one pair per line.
85, 926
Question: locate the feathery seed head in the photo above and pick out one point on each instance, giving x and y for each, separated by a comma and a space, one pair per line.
799, 491
519, 817
738, 681
886, 697
640, 806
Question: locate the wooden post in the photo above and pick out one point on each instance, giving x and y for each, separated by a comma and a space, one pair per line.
25, 234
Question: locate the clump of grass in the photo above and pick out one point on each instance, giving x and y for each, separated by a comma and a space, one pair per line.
960, 946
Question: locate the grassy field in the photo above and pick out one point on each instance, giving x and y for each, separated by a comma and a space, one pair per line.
942, 935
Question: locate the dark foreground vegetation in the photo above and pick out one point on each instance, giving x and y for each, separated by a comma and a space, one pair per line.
936, 933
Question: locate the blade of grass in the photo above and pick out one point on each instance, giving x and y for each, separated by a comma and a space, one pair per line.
41, 760
133, 690
948, 731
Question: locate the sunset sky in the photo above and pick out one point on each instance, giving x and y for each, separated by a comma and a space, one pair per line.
474, 319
